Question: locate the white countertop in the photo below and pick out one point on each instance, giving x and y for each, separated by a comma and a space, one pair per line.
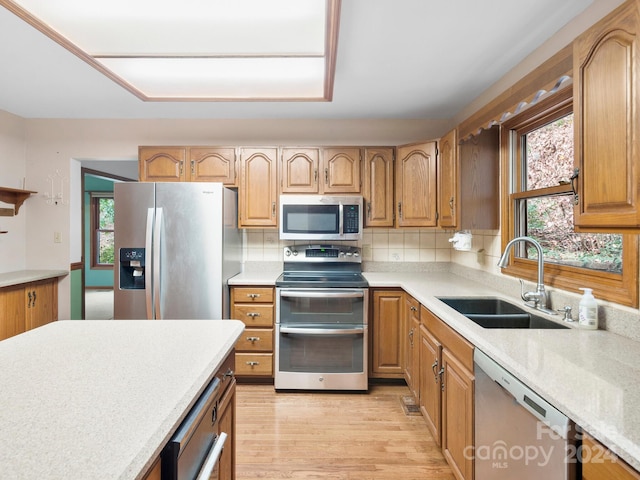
25, 276
99, 399
593, 377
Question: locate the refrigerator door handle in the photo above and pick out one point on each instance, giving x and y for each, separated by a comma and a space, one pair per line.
157, 244
148, 262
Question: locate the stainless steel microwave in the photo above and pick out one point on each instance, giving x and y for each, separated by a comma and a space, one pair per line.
320, 217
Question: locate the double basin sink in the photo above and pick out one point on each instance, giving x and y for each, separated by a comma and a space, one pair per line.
491, 312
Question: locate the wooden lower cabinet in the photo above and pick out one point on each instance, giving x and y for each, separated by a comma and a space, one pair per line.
254, 351
457, 415
448, 358
155, 472
431, 382
27, 306
387, 339
412, 344
598, 463
227, 424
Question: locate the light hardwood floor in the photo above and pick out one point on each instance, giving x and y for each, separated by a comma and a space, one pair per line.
336, 436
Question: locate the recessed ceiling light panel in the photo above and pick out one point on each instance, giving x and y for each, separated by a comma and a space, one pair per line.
192, 49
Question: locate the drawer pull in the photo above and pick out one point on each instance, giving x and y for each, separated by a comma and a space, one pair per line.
253, 339
253, 314
253, 295
253, 364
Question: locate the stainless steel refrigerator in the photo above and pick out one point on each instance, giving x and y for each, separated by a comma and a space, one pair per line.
176, 246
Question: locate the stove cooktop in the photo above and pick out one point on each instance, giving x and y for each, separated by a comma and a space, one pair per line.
322, 266
321, 280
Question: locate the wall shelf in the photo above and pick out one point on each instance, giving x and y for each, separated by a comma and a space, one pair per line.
14, 196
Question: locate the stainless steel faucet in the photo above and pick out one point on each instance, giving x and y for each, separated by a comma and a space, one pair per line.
539, 297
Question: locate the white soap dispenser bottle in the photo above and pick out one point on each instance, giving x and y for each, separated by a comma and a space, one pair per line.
588, 310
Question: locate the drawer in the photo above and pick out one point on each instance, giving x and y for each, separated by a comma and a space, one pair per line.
256, 340
254, 364
253, 315
252, 295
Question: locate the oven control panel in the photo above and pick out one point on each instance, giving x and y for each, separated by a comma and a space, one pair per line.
322, 253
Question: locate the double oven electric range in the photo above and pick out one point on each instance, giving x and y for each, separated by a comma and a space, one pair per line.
321, 319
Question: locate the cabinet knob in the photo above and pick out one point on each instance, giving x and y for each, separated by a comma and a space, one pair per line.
253, 364
253, 295
253, 339
253, 314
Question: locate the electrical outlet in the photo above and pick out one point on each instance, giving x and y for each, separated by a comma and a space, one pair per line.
480, 256
366, 251
57, 237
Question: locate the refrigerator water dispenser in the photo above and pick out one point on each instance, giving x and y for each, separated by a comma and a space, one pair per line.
132, 268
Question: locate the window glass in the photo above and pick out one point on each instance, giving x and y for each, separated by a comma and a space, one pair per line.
547, 215
104, 235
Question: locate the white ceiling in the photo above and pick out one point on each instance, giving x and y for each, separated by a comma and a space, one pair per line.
416, 59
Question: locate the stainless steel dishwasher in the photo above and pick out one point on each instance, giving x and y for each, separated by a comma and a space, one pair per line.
517, 433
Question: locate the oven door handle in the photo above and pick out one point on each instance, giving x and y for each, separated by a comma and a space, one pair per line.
322, 331
212, 459
321, 294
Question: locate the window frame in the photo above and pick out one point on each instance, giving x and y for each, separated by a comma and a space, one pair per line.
95, 198
617, 288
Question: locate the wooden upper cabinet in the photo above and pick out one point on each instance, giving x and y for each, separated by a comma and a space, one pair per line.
212, 164
606, 102
416, 185
377, 187
299, 170
258, 188
162, 164
479, 188
187, 164
448, 197
341, 170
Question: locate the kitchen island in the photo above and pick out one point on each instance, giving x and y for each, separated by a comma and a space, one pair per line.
99, 399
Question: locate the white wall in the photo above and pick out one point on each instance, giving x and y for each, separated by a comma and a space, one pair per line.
12, 173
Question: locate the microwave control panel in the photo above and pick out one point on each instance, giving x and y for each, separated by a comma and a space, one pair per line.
351, 220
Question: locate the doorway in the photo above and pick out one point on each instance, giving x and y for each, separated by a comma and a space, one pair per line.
97, 236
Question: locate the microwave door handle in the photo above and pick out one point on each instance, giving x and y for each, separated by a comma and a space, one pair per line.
341, 222
212, 458
321, 294
322, 331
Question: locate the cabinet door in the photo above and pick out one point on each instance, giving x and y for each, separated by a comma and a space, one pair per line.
606, 108
213, 164
41, 299
457, 416
162, 164
227, 424
479, 184
598, 462
299, 170
430, 382
377, 187
12, 311
412, 344
258, 187
416, 185
448, 198
387, 346
341, 170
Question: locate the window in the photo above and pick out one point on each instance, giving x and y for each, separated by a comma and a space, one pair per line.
539, 203
102, 240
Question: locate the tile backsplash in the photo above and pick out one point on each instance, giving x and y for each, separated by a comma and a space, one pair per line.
390, 245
